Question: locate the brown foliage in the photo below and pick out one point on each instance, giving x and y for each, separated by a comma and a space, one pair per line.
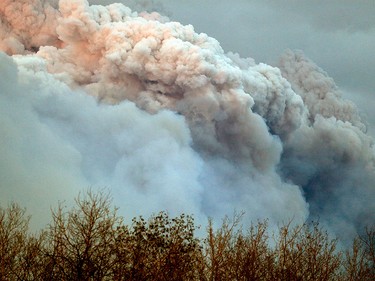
360, 259
21, 255
81, 241
160, 249
300, 253
91, 242
306, 253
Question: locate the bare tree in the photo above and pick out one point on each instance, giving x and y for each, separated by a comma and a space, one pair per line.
220, 245
82, 240
20, 252
306, 252
13, 231
91, 242
360, 259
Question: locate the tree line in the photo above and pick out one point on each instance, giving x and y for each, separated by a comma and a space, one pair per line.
90, 241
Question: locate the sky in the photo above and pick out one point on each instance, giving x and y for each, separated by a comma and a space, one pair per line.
205, 107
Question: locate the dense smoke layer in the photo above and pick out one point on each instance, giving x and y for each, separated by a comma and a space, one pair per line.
330, 155
105, 96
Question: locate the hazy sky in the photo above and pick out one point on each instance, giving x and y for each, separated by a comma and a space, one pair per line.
338, 35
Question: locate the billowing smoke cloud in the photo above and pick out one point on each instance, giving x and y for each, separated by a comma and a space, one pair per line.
105, 96
330, 156
26, 25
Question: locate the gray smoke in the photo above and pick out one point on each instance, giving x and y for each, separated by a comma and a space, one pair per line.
330, 156
165, 119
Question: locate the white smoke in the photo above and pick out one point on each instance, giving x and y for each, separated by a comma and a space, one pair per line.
165, 119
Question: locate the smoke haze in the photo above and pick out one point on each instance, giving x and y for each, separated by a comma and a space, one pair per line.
106, 96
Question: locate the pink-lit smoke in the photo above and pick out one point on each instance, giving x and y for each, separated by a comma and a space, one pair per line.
105, 96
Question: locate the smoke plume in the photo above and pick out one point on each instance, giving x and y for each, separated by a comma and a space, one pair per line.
105, 96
